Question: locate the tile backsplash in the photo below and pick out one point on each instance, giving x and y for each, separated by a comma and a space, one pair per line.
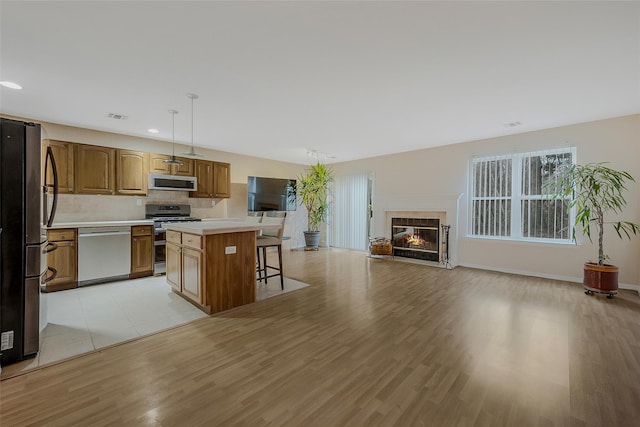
76, 207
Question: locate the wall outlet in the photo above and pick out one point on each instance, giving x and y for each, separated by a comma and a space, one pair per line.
230, 250
138, 202
213, 203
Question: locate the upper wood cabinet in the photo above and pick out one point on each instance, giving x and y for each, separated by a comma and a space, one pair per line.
91, 169
132, 172
63, 154
185, 169
95, 169
204, 174
157, 164
221, 179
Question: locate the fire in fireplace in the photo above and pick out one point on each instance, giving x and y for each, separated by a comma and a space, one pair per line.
417, 238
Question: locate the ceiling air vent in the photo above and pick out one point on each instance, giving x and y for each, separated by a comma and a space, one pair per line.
512, 124
117, 116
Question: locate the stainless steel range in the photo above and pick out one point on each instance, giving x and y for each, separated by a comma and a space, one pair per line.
161, 214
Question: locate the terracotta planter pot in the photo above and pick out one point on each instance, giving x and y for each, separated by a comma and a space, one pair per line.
602, 279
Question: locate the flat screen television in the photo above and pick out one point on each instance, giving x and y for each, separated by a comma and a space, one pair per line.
271, 194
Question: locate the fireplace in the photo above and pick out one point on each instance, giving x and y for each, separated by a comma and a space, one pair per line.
417, 238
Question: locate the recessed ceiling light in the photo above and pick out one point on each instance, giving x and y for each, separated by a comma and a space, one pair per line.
10, 85
153, 130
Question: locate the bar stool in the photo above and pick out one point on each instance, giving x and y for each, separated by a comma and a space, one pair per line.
270, 239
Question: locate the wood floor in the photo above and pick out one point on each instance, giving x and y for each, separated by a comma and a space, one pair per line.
371, 342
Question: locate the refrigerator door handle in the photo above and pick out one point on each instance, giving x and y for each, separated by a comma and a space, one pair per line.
53, 275
54, 205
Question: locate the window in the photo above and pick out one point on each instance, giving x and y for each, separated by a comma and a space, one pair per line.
508, 198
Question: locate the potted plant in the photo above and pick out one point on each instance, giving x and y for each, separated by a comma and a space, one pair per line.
596, 190
313, 192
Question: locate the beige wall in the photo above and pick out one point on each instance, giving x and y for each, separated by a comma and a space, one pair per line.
434, 177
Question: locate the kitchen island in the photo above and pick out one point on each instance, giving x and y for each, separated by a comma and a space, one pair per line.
212, 264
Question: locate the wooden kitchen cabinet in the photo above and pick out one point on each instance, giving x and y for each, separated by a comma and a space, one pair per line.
141, 251
132, 172
221, 179
187, 168
174, 265
64, 156
95, 170
157, 164
204, 175
185, 268
192, 274
64, 259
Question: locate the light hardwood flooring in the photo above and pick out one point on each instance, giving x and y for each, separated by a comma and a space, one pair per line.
370, 342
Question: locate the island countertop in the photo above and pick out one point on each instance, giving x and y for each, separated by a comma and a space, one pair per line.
206, 228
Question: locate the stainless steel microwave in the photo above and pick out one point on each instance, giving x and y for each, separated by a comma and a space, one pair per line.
172, 182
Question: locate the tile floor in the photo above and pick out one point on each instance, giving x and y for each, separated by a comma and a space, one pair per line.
89, 318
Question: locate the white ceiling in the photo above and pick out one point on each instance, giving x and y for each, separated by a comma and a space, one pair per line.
350, 79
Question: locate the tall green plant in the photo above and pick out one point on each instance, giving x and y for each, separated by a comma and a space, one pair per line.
313, 192
595, 190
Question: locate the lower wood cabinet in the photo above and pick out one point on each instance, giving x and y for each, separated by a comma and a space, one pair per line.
216, 272
174, 265
184, 265
64, 259
192, 274
141, 251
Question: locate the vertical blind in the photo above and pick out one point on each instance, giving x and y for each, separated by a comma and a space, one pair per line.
348, 226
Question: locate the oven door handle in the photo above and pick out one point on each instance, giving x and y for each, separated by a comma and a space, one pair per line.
160, 242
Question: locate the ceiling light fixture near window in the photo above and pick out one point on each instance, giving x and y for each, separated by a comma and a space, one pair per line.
512, 124
153, 130
173, 160
192, 151
10, 85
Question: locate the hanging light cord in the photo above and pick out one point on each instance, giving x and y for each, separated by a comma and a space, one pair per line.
173, 134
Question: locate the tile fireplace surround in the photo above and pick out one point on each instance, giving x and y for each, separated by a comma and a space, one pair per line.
444, 207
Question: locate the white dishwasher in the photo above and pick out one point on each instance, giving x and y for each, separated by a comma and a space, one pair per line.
104, 254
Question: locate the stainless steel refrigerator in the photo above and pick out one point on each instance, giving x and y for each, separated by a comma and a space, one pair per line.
23, 240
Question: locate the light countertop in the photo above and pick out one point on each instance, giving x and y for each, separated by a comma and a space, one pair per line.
205, 228
82, 224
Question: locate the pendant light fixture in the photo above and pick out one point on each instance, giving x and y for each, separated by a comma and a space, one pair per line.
173, 160
192, 151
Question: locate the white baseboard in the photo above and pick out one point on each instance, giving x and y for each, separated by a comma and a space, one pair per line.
544, 275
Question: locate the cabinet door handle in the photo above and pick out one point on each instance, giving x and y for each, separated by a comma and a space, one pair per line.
50, 247
52, 276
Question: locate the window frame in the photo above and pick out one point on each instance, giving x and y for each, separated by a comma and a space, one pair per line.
517, 196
